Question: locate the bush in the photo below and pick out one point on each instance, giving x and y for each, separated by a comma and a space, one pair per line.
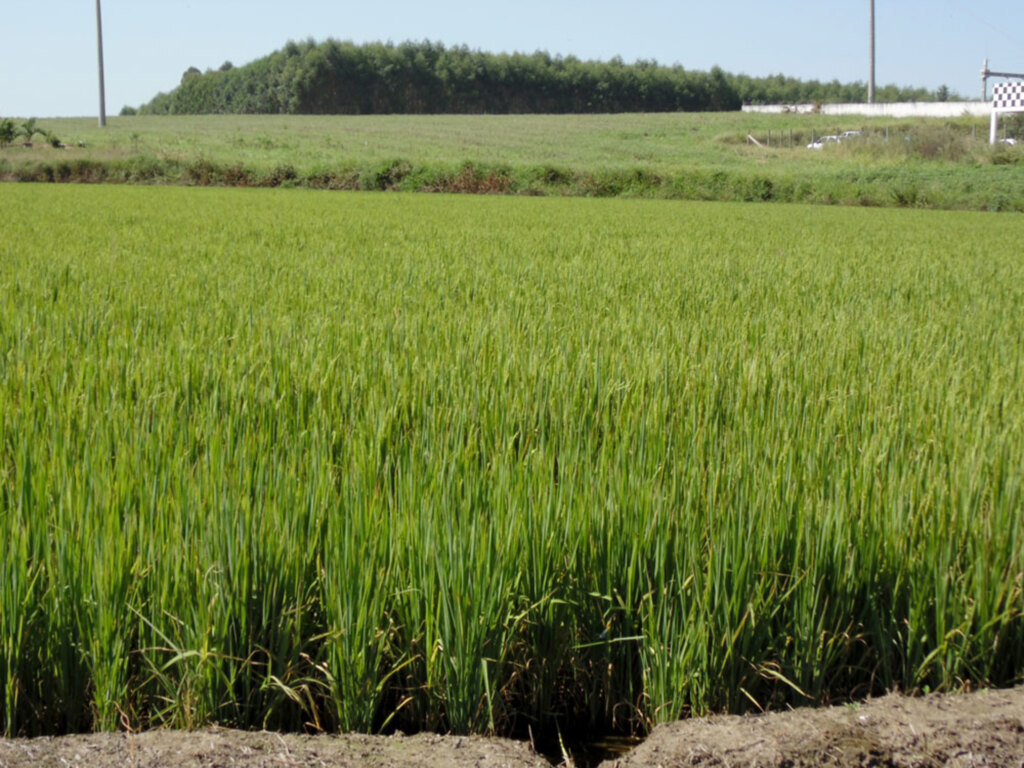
550, 174
387, 176
756, 189
237, 176
7, 132
201, 173
939, 142
1013, 125
283, 175
146, 169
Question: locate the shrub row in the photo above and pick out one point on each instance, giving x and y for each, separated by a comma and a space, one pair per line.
996, 187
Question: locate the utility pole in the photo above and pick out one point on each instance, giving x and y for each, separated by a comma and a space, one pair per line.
99, 51
870, 71
986, 73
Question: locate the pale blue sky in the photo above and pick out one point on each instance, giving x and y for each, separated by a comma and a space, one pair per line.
48, 59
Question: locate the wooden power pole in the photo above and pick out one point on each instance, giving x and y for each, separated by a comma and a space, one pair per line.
870, 70
99, 51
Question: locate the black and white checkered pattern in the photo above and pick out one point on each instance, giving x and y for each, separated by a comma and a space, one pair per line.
1008, 97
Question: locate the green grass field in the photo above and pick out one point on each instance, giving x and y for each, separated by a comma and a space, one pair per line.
908, 163
296, 459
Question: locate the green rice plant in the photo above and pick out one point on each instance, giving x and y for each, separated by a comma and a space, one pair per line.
20, 599
358, 566
311, 461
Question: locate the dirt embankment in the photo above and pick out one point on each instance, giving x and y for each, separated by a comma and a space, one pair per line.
221, 748
979, 729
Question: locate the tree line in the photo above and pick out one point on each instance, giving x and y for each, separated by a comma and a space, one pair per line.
336, 77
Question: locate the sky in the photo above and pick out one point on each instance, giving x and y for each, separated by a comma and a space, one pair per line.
48, 64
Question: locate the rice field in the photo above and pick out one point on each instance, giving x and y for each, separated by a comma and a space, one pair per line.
301, 460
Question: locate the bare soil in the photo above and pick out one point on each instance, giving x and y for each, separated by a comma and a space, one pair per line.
222, 748
977, 729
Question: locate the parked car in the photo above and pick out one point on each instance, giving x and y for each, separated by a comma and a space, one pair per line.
821, 141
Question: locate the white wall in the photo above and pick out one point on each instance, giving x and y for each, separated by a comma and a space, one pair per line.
894, 109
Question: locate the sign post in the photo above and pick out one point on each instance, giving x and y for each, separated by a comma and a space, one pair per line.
1006, 97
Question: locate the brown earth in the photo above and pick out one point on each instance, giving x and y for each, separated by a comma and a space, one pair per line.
222, 748
978, 729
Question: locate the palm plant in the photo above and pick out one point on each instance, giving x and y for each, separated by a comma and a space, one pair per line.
29, 129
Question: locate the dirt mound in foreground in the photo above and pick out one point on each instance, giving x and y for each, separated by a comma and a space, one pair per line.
220, 748
977, 729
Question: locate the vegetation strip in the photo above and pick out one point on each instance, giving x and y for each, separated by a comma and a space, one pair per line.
296, 460
917, 164
949, 191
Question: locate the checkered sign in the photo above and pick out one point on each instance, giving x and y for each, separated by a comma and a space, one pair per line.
1008, 97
